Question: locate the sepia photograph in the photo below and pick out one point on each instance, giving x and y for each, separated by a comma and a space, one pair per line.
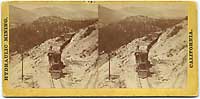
98, 45
143, 46
52, 46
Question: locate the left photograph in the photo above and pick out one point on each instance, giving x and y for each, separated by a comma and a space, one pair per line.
52, 46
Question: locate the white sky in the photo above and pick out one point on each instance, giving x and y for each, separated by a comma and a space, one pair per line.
64, 6
154, 10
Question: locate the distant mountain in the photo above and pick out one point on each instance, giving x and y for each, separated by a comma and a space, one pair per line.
29, 35
114, 35
165, 13
64, 13
108, 16
50, 19
23, 16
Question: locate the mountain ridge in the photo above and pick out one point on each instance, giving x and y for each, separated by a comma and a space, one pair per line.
23, 16
122, 32
43, 28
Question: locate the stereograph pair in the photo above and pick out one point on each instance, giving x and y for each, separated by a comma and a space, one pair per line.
131, 48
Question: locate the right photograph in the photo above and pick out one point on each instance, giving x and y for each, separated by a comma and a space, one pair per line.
142, 46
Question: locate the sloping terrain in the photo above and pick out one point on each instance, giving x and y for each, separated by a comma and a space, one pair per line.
87, 67
168, 56
36, 65
81, 55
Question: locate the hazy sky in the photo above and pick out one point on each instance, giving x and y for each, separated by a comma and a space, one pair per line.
63, 6
163, 6
153, 10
